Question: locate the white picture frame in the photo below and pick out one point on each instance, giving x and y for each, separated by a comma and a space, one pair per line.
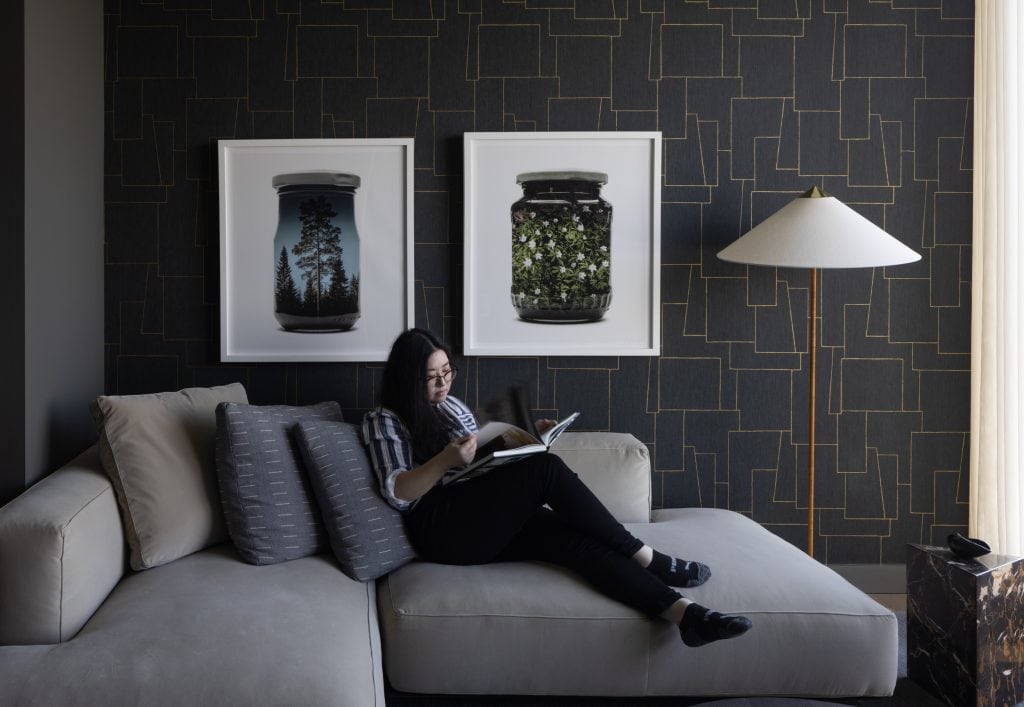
250, 331
492, 162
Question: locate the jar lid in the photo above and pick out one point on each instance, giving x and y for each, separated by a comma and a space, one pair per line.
328, 179
568, 175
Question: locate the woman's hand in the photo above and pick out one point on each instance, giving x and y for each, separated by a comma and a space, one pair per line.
461, 451
410, 485
544, 425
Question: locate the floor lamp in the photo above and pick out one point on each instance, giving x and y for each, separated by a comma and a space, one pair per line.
816, 231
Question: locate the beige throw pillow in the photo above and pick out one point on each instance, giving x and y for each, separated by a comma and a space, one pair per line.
158, 450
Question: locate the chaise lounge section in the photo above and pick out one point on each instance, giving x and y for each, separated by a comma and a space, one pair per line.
530, 628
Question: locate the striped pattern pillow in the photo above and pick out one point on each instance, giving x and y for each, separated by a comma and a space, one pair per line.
366, 534
269, 511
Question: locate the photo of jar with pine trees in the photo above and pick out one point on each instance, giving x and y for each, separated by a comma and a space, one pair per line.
316, 264
561, 247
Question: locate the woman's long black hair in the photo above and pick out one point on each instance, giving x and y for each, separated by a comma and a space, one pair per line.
404, 392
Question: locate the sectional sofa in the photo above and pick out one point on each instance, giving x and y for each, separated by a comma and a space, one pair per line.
102, 605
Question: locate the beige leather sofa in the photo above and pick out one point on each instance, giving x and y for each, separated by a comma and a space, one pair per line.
77, 627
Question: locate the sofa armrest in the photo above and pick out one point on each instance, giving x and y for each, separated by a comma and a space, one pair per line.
62, 550
616, 466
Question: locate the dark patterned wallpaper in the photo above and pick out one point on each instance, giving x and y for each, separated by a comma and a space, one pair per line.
757, 100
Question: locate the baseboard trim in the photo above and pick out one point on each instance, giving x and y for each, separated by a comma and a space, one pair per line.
875, 579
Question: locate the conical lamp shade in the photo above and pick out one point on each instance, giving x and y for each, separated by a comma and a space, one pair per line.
817, 231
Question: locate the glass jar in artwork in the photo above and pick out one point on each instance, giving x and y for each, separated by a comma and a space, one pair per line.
316, 252
561, 247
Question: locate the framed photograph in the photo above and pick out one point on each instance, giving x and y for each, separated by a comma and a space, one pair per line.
315, 248
562, 244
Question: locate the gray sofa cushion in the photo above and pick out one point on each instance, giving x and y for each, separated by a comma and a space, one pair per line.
158, 450
366, 534
538, 629
268, 507
211, 630
616, 466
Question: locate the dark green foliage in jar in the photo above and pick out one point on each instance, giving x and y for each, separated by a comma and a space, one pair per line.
561, 247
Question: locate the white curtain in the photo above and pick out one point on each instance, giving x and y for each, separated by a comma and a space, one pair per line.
997, 335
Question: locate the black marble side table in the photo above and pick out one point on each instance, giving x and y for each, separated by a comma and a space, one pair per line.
965, 626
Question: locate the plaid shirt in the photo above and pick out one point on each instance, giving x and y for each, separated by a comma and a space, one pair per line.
389, 444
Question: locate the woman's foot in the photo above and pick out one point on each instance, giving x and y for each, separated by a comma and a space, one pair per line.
701, 626
678, 573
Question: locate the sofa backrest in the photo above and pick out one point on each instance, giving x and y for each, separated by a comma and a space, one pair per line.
62, 545
62, 551
616, 466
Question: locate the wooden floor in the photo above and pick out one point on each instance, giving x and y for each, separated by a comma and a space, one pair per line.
893, 602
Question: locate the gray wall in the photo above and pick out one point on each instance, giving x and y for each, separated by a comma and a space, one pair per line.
12, 270
54, 217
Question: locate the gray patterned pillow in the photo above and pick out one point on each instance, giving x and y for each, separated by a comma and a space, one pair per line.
366, 534
269, 511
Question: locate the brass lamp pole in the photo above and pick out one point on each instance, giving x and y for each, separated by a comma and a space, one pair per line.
812, 357
816, 231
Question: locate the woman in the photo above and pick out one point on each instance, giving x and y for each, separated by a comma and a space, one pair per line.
419, 434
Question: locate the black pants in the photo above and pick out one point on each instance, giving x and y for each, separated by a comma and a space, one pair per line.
500, 517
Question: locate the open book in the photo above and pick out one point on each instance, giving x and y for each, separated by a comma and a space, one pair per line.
502, 442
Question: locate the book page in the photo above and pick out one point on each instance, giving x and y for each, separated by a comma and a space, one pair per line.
515, 437
500, 443
490, 431
499, 436
503, 429
549, 437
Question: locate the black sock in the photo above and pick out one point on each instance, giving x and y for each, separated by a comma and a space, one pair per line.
701, 626
678, 573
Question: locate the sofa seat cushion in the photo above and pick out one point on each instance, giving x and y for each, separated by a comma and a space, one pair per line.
510, 628
528, 628
209, 629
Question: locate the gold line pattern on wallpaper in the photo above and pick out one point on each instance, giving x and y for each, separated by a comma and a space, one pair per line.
756, 102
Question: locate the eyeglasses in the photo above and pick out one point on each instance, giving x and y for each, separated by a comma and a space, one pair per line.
443, 377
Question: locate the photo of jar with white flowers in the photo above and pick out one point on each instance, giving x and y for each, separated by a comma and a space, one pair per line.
561, 247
